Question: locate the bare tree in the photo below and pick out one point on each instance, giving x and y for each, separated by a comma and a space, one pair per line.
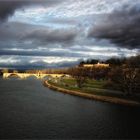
79, 74
126, 78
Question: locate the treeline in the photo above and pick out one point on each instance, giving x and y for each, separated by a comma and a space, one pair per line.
114, 61
122, 74
126, 76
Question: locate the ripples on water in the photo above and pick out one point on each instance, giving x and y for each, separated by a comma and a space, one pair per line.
30, 110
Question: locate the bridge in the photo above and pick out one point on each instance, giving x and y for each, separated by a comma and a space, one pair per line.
37, 75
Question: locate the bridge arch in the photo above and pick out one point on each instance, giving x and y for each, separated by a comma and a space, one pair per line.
13, 75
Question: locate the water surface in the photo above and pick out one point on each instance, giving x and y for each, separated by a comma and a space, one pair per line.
30, 110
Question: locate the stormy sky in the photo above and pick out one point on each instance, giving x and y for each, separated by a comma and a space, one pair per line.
61, 33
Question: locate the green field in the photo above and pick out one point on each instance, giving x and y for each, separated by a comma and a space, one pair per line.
92, 87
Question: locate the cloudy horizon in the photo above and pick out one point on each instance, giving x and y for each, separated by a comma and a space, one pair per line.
59, 33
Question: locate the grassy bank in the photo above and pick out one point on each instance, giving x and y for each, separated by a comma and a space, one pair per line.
92, 96
92, 87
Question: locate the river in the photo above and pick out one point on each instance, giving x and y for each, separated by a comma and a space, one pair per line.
30, 110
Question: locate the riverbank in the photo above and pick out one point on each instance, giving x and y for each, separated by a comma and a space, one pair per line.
92, 96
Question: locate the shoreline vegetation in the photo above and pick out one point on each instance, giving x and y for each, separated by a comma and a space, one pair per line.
115, 80
93, 96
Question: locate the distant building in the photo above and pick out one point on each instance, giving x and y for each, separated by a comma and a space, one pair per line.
88, 65
96, 65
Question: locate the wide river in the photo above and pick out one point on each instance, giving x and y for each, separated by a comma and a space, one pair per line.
30, 110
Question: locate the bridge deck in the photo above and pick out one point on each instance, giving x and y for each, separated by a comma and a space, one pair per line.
26, 75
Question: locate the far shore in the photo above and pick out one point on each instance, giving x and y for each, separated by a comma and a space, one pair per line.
114, 100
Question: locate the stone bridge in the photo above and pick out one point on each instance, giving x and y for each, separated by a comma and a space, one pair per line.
37, 75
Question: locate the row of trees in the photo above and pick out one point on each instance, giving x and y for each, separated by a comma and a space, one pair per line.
123, 74
110, 61
81, 74
127, 79
127, 76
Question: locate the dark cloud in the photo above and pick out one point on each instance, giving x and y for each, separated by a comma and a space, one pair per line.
14, 30
120, 27
51, 35
8, 7
27, 32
